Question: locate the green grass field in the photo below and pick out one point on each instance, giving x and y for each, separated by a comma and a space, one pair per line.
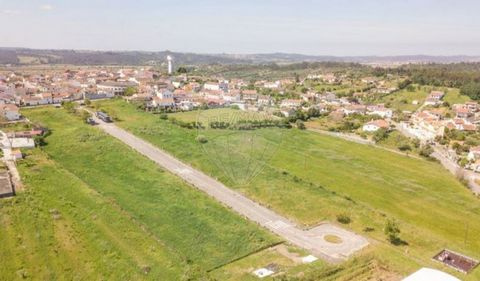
402, 100
62, 229
313, 177
453, 96
197, 230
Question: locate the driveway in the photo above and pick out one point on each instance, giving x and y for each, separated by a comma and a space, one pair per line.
311, 240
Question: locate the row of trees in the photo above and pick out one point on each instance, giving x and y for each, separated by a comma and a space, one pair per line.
240, 125
250, 125
465, 76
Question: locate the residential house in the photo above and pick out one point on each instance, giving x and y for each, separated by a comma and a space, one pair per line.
264, 100
425, 126
474, 153
379, 110
462, 112
287, 112
375, 125
355, 109
249, 95
162, 102
461, 125
211, 86
434, 98
10, 112
272, 85
291, 103
232, 96
114, 87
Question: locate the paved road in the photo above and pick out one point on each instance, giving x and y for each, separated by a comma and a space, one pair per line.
311, 240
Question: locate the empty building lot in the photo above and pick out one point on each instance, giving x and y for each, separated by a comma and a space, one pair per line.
312, 240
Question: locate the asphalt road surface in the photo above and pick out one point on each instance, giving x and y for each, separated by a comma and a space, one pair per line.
311, 240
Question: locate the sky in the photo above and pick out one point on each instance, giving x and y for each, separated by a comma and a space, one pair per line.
330, 27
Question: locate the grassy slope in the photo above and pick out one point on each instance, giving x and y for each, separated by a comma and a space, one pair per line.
453, 96
186, 220
402, 99
91, 240
330, 176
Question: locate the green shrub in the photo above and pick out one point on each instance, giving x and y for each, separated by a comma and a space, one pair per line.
201, 139
392, 231
343, 218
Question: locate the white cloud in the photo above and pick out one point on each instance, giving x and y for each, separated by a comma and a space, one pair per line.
10, 12
46, 7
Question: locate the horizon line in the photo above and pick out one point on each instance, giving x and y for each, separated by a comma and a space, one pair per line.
232, 53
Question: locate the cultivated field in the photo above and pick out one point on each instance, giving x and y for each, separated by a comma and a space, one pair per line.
312, 177
198, 232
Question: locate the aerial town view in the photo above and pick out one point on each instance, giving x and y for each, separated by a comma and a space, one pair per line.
240, 140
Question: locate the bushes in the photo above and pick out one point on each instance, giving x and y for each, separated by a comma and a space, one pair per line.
300, 125
380, 135
392, 231
188, 125
249, 125
201, 139
404, 147
343, 218
426, 151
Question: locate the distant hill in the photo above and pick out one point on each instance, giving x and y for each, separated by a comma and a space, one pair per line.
23, 56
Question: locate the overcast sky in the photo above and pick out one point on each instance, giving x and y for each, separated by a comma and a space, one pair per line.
332, 27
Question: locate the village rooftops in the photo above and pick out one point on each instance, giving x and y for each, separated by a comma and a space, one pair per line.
117, 84
436, 95
25, 134
379, 123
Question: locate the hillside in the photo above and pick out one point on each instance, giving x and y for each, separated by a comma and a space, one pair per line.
24, 56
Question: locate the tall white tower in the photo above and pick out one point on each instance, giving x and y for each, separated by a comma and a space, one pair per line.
170, 65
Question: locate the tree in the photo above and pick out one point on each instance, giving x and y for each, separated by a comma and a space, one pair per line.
87, 102
313, 112
130, 91
380, 135
404, 83
300, 124
69, 106
392, 231
39, 141
297, 77
426, 151
343, 218
84, 115
182, 69
471, 89
404, 147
